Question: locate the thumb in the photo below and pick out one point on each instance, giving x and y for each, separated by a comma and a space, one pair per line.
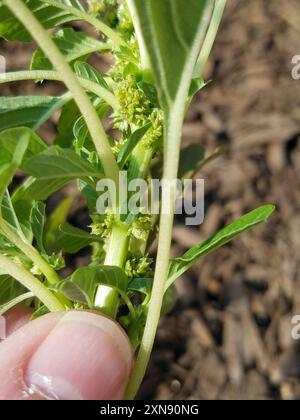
65, 356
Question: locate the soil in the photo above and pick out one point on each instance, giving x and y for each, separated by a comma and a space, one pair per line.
229, 336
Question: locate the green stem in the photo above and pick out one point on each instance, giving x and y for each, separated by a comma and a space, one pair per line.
210, 36
31, 283
92, 20
107, 298
145, 61
93, 87
96, 129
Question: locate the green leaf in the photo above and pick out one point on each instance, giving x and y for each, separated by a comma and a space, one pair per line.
56, 218
27, 111
82, 286
48, 15
19, 299
53, 169
141, 285
74, 45
69, 115
17, 220
10, 138
181, 264
37, 219
173, 33
73, 239
190, 158
8, 168
9, 288
86, 71
197, 84
130, 144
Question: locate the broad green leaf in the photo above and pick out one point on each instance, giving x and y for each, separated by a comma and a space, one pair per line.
52, 169
28, 111
86, 71
130, 144
9, 288
74, 45
73, 239
82, 285
173, 32
38, 219
48, 15
15, 301
90, 194
190, 158
181, 264
10, 138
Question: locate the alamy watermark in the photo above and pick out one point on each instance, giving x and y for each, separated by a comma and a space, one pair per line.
296, 68
2, 64
2, 328
296, 327
155, 197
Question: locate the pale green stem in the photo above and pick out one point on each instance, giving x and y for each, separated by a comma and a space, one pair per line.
30, 252
31, 283
92, 20
145, 62
107, 298
96, 129
210, 36
93, 87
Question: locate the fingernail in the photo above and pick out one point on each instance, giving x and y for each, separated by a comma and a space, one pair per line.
85, 357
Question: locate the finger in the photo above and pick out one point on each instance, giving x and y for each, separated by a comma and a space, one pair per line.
15, 318
65, 356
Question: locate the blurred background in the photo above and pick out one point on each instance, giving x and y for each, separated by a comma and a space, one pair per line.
229, 336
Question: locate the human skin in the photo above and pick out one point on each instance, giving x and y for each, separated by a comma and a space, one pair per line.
63, 356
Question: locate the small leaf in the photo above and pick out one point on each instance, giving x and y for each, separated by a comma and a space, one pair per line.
69, 115
73, 45
8, 169
130, 144
86, 71
43, 310
141, 285
179, 265
37, 219
56, 218
82, 285
27, 111
9, 305
190, 158
72, 239
197, 84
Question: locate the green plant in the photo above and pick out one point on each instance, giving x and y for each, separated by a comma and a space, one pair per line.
160, 49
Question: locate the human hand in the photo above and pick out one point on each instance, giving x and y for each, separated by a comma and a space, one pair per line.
63, 356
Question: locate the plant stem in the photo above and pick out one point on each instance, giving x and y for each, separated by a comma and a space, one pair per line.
31, 283
101, 142
210, 36
173, 137
107, 298
90, 86
92, 20
145, 61
30, 252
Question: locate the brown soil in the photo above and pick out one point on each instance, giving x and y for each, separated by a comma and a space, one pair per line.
229, 336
